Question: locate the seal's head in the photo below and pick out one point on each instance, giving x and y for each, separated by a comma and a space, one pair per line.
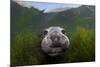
54, 41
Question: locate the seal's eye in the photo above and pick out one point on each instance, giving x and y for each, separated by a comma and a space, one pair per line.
63, 31
45, 32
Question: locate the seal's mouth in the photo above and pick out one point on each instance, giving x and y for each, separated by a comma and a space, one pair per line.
56, 45
55, 51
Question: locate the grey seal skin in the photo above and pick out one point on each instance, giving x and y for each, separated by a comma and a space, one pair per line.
54, 41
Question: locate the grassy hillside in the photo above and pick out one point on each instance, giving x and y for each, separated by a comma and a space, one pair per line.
27, 23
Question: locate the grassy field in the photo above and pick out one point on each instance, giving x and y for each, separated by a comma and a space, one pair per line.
26, 48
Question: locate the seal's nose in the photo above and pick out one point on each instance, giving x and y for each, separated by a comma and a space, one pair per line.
55, 38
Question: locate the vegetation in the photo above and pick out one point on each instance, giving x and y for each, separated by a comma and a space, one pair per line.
26, 24
82, 47
25, 49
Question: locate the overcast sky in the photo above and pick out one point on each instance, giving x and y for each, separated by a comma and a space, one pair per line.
49, 6
45, 5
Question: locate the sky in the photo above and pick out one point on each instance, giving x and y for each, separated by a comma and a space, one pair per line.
50, 6
45, 5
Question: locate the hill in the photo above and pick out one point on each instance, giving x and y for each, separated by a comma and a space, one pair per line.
32, 18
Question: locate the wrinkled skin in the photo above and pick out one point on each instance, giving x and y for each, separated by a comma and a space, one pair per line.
54, 41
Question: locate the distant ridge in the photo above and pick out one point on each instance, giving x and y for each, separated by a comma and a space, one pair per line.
58, 10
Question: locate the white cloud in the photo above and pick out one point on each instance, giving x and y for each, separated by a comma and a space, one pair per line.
23, 3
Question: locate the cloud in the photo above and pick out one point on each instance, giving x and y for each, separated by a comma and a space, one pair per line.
23, 3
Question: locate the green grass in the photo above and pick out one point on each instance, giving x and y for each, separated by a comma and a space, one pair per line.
25, 48
82, 47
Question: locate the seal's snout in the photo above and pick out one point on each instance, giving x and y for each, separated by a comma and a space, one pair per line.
55, 37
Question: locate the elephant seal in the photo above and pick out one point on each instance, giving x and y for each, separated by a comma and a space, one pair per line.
54, 41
